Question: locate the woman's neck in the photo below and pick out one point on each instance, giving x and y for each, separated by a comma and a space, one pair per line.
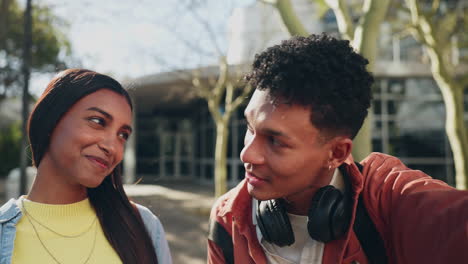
46, 188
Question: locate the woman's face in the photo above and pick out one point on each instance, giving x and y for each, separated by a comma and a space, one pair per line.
88, 141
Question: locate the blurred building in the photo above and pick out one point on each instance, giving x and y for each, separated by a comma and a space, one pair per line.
175, 134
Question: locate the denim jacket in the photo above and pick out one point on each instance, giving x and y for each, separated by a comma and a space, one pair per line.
10, 214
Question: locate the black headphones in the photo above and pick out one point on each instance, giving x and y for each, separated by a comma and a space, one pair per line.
329, 216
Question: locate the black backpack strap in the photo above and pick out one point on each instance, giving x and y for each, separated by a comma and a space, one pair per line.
368, 236
221, 237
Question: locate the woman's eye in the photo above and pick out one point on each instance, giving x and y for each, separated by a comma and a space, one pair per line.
97, 120
124, 135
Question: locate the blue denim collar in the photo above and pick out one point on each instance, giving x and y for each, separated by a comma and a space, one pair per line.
9, 211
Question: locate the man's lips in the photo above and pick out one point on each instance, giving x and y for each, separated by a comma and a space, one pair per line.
99, 161
254, 180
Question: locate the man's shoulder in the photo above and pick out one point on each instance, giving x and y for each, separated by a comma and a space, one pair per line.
378, 158
388, 174
378, 165
230, 201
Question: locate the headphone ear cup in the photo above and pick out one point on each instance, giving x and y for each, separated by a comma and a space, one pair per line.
273, 222
320, 224
340, 218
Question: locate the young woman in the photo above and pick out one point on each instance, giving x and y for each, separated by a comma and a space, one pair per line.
77, 210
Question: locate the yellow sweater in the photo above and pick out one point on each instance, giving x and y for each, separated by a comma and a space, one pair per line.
34, 243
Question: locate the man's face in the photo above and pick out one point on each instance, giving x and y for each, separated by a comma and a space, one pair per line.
284, 155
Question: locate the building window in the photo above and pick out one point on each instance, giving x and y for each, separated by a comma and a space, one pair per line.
409, 118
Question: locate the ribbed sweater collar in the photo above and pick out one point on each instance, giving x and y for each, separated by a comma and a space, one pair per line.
45, 211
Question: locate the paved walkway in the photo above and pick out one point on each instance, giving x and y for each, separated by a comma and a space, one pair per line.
183, 209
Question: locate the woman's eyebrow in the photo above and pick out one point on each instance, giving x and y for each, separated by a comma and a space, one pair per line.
127, 127
107, 115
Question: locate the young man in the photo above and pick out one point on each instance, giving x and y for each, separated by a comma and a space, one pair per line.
303, 197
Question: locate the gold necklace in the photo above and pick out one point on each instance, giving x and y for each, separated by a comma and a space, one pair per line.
53, 231
43, 244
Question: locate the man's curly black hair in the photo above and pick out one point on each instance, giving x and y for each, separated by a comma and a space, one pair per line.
319, 72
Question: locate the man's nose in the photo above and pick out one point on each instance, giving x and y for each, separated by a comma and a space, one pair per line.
252, 152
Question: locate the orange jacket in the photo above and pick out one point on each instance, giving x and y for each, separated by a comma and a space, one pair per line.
420, 219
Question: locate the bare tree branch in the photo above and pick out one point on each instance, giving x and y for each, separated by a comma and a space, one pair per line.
435, 6
191, 44
464, 82
445, 27
343, 18
215, 112
270, 2
202, 90
209, 30
242, 97
222, 79
229, 93
181, 75
425, 28
290, 19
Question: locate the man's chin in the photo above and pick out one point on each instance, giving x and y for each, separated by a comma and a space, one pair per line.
259, 195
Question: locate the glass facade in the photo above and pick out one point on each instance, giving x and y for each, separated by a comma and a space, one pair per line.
165, 147
409, 120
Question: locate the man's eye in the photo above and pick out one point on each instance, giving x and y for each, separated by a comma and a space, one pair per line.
275, 142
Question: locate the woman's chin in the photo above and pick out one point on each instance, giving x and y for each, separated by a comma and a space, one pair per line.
92, 183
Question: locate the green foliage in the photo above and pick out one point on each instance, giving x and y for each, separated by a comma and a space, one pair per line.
49, 45
10, 144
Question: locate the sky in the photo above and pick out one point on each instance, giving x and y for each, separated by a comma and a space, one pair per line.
132, 38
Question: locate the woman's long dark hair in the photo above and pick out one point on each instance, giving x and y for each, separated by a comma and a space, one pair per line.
121, 222
120, 219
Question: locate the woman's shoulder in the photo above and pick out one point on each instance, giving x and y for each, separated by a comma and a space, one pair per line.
9, 210
156, 232
149, 218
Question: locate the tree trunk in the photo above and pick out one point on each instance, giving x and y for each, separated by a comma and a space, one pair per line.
26, 74
290, 19
4, 15
456, 132
222, 137
454, 119
366, 35
365, 42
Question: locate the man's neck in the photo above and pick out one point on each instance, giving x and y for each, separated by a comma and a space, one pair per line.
299, 203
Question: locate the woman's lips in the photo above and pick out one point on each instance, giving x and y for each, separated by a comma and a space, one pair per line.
98, 161
254, 180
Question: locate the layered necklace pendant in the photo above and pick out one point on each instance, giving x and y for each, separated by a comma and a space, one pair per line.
46, 233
